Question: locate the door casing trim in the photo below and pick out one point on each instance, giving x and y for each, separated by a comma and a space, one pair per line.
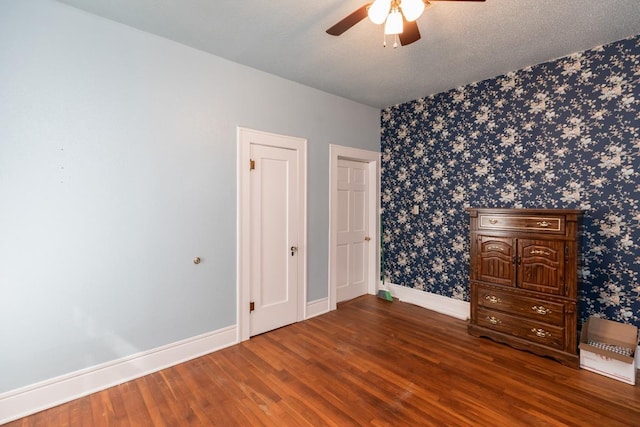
243, 255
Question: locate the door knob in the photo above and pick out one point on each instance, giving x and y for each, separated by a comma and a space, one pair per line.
294, 249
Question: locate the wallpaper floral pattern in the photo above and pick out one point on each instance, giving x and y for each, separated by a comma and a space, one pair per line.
563, 134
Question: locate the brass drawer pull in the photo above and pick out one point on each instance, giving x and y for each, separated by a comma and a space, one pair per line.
541, 309
541, 333
494, 320
493, 221
494, 248
544, 224
493, 299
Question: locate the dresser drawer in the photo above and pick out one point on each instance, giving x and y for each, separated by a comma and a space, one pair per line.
538, 224
530, 330
549, 312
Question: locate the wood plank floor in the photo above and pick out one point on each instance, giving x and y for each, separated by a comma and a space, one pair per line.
372, 363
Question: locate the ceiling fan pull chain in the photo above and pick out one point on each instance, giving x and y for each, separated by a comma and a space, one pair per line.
384, 40
395, 41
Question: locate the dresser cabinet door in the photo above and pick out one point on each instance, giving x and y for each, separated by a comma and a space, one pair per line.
541, 266
496, 260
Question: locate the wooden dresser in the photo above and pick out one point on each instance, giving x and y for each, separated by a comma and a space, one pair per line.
524, 280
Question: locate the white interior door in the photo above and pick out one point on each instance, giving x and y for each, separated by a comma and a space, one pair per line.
272, 182
353, 240
274, 215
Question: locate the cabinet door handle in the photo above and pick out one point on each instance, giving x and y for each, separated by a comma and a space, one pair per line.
493, 320
541, 333
540, 252
541, 309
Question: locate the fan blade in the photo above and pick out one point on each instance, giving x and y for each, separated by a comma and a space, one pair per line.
410, 32
349, 21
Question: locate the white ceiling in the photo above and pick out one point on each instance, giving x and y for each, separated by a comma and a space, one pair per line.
462, 42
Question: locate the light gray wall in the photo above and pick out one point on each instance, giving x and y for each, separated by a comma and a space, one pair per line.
117, 167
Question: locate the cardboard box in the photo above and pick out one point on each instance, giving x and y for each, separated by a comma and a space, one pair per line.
606, 362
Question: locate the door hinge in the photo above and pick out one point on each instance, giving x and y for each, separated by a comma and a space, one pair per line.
252, 164
252, 306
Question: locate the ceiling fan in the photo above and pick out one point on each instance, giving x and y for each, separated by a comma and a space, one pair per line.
399, 17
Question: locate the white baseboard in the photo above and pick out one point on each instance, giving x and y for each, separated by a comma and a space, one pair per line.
438, 303
317, 307
28, 400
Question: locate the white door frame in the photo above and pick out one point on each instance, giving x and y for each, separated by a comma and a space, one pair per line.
373, 159
245, 138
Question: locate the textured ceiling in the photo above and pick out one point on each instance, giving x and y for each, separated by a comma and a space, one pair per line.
462, 42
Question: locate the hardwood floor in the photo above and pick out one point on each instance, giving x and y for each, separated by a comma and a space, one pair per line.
371, 362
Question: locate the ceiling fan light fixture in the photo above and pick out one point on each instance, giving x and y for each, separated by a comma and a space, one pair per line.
412, 9
379, 10
393, 25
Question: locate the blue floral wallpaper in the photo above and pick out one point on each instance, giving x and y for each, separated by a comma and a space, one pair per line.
563, 134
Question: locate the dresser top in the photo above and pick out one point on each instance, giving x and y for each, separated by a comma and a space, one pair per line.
524, 211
